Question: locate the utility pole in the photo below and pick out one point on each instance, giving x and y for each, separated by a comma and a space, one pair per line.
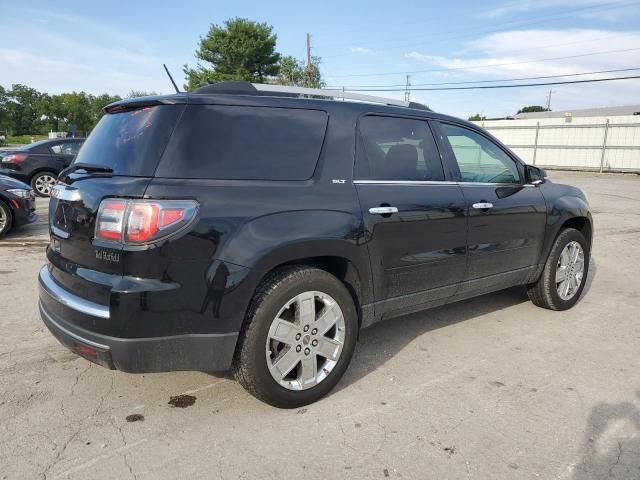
309, 76
407, 93
549, 100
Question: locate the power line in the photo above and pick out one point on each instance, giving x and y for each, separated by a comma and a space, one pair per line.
486, 65
617, 70
478, 87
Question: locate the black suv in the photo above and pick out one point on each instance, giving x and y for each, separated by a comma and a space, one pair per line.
39, 163
252, 230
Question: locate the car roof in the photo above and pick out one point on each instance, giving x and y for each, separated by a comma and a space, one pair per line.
275, 100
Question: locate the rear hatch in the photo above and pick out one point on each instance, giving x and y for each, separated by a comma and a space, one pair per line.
117, 160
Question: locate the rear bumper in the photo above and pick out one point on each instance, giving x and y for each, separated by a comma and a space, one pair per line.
199, 352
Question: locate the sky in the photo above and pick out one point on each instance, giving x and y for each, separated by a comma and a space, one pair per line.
117, 46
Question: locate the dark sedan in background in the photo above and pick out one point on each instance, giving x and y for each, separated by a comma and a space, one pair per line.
17, 204
39, 163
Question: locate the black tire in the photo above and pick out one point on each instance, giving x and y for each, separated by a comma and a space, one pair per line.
34, 183
250, 365
5, 212
544, 292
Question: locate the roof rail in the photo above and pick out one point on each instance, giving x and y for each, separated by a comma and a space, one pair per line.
321, 92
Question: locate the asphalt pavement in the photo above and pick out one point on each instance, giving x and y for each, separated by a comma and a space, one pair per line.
489, 388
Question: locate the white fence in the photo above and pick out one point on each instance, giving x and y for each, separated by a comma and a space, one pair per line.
581, 143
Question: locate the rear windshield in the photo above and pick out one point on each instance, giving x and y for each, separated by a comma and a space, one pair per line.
244, 143
131, 142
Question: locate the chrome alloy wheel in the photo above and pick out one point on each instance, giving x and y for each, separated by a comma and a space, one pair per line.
3, 220
570, 270
305, 340
44, 184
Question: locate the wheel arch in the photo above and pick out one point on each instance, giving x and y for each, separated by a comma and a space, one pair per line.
566, 212
42, 170
340, 258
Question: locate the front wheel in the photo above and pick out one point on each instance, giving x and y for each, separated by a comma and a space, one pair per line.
565, 273
299, 338
5, 219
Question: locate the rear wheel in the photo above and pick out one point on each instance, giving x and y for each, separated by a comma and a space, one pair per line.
563, 278
299, 338
6, 219
43, 182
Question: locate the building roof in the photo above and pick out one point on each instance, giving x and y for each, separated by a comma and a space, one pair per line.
584, 112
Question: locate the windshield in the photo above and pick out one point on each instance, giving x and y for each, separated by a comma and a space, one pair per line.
131, 142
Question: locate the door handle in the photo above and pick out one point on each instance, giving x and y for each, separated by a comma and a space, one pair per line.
383, 210
483, 205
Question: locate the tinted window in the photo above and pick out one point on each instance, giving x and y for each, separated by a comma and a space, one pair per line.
130, 142
248, 143
479, 159
40, 149
397, 149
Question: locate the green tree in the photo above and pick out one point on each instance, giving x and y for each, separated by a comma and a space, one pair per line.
294, 72
4, 114
77, 108
533, 108
24, 108
476, 118
98, 103
238, 50
140, 93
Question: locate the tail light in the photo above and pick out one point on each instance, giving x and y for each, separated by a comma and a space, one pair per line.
133, 222
14, 158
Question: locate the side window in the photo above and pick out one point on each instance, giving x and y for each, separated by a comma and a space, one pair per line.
244, 143
41, 149
70, 148
391, 148
479, 159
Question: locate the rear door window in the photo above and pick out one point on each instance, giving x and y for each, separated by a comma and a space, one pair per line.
131, 142
397, 149
245, 143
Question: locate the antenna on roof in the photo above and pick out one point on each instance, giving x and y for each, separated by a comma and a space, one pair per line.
171, 78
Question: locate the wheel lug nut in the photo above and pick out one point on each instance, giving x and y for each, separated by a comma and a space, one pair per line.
306, 351
306, 328
314, 343
298, 336
298, 348
314, 331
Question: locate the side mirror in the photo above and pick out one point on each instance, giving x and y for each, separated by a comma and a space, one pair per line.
535, 175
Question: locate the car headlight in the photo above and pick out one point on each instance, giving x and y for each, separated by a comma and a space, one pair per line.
20, 192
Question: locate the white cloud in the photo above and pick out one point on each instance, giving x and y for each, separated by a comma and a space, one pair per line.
524, 6
81, 54
513, 51
508, 53
361, 50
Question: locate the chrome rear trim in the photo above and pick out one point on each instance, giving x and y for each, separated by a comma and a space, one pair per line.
69, 333
60, 295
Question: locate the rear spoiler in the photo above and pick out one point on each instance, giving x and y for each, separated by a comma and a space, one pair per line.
142, 102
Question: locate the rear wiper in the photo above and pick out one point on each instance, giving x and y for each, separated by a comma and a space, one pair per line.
89, 167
